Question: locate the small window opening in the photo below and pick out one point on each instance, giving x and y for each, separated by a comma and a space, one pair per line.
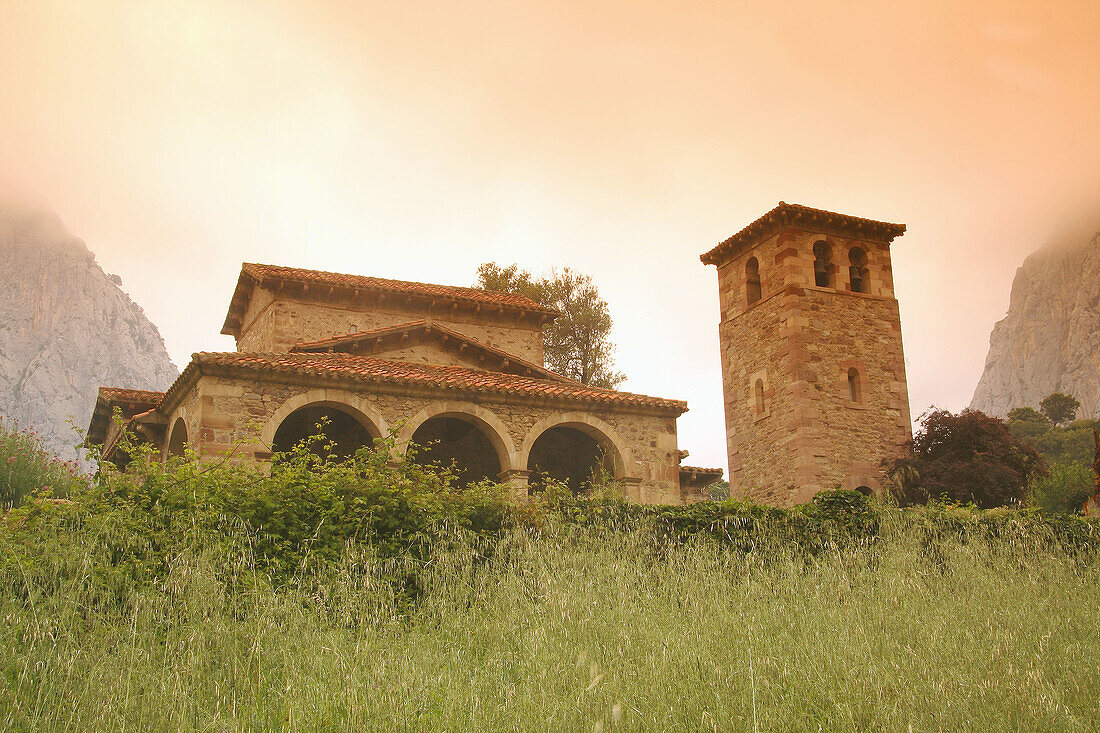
858, 271
759, 389
752, 280
823, 265
855, 390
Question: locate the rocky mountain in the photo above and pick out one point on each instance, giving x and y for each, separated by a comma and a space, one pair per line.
1050, 339
66, 328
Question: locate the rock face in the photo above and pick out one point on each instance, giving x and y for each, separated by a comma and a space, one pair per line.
1050, 339
66, 328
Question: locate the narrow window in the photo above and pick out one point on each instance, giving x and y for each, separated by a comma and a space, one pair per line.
858, 270
823, 265
752, 280
759, 396
855, 391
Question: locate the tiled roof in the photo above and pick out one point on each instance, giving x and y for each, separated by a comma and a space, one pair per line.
803, 217
369, 369
696, 469
348, 341
137, 396
253, 273
131, 402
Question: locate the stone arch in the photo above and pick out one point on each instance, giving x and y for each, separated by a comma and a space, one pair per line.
495, 432
177, 438
354, 422
621, 457
341, 399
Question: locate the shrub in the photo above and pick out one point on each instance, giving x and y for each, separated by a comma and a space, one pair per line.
1063, 489
968, 457
28, 468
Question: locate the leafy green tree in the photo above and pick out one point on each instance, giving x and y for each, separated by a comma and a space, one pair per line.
1027, 423
577, 343
968, 457
1059, 408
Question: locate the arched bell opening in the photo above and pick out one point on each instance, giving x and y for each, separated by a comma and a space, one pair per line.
177, 439
858, 273
575, 457
457, 443
823, 265
342, 432
752, 281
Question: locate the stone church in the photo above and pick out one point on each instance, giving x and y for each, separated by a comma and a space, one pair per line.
812, 367
812, 362
456, 371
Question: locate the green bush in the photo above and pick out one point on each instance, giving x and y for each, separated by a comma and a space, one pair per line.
1064, 489
27, 468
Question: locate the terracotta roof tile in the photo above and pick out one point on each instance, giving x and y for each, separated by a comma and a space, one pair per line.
807, 218
138, 396
696, 469
131, 402
369, 369
253, 273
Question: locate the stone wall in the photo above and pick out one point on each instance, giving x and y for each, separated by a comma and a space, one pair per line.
228, 415
274, 325
799, 340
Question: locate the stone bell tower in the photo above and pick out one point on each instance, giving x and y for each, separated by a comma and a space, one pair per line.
812, 361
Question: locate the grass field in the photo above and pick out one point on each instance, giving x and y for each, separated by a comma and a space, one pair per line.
568, 629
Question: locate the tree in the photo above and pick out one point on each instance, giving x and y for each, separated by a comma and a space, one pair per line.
1059, 408
968, 457
576, 343
1027, 424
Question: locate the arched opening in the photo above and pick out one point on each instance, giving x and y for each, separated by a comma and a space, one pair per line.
451, 441
823, 264
177, 441
344, 433
855, 389
752, 280
572, 456
758, 389
865, 490
857, 272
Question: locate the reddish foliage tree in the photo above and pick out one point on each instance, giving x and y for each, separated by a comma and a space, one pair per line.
968, 457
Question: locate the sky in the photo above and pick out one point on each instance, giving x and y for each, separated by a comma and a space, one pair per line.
416, 140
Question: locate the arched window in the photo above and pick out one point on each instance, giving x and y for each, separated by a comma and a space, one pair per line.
857, 272
759, 391
752, 280
855, 390
823, 265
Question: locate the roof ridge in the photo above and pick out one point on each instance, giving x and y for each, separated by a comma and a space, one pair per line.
510, 300
428, 325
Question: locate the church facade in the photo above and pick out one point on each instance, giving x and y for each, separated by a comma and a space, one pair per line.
456, 371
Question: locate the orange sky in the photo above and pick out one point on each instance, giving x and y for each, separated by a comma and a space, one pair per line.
415, 140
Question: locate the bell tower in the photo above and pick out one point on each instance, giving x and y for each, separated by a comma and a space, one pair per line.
812, 363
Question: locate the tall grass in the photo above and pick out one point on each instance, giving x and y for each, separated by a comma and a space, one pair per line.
563, 628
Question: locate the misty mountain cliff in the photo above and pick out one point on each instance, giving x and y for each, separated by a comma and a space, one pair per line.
1050, 339
66, 328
